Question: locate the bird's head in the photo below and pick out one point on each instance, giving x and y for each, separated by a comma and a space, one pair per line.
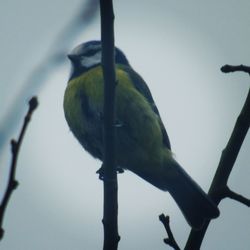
88, 55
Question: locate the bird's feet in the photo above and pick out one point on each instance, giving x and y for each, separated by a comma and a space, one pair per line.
100, 171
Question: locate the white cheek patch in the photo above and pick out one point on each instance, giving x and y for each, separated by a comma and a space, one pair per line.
90, 61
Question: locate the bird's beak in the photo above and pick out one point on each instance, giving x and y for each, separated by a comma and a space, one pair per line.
72, 57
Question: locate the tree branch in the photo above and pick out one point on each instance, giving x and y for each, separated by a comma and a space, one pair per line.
170, 240
228, 158
237, 197
110, 213
230, 68
15, 147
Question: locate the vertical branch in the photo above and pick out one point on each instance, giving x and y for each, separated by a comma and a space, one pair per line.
219, 189
110, 209
15, 146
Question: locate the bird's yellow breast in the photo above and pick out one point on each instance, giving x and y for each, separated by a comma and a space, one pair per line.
138, 133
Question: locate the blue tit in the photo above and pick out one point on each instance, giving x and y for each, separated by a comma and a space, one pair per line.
142, 144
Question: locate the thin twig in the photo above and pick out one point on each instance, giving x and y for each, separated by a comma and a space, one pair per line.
226, 192
228, 158
237, 197
15, 147
170, 240
231, 68
110, 213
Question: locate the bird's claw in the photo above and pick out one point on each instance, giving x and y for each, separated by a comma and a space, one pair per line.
100, 171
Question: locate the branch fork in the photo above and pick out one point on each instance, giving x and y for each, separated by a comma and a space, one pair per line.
219, 188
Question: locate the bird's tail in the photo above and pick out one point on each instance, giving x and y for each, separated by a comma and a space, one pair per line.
194, 203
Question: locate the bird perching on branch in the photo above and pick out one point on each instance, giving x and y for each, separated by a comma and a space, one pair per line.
142, 144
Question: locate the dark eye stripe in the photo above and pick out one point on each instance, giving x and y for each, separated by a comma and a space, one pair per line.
90, 52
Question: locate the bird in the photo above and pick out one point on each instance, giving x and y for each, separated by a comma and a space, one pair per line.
142, 144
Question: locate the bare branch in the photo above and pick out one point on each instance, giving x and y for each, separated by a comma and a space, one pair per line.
15, 147
110, 213
230, 68
237, 197
170, 240
228, 158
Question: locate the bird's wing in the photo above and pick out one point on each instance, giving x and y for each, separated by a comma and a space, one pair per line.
142, 87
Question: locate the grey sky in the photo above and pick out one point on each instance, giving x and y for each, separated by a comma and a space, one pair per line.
178, 47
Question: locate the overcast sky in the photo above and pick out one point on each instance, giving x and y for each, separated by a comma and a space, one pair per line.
178, 48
